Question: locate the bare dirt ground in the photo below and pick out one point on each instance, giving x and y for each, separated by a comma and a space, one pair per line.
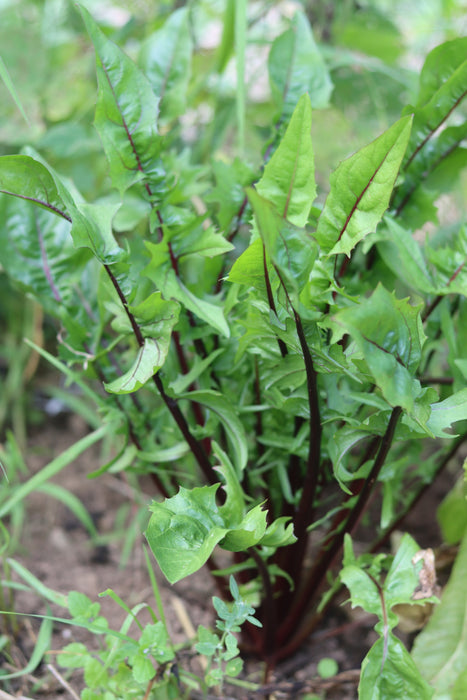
56, 549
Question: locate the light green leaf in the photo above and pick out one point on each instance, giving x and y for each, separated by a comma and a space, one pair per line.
150, 358
234, 505
155, 315
279, 533
73, 655
26, 178
208, 243
447, 412
249, 267
342, 441
288, 180
388, 671
361, 187
42, 646
126, 114
249, 531
165, 58
5, 76
450, 263
444, 150
183, 531
296, 66
440, 650
452, 513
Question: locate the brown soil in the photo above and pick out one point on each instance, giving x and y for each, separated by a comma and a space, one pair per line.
57, 550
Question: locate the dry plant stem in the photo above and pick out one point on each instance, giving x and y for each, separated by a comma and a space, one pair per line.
318, 572
62, 681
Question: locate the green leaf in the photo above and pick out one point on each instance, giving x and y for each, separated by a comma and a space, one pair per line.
233, 667
234, 505
452, 513
368, 31
150, 358
24, 177
208, 244
342, 442
199, 368
403, 255
426, 168
450, 263
249, 267
143, 668
447, 412
155, 315
388, 671
288, 180
361, 187
389, 334
440, 650
126, 114
155, 641
42, 645
249, 532
160, 271
208, 642
291, 249
279, 533
28, 178
165, 59
296, 66
443, 83
37, 252
73, 655
228, 417
184, 529
80, 605
5, 76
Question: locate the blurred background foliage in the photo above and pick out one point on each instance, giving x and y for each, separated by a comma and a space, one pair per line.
373, 48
